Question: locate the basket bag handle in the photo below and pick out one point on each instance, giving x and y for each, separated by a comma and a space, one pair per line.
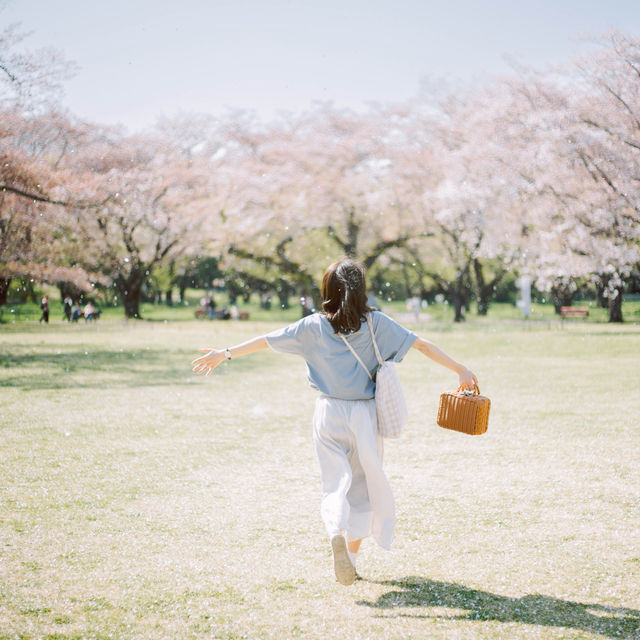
475, 392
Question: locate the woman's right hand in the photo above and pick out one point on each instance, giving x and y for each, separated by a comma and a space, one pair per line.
467, 379
208, 362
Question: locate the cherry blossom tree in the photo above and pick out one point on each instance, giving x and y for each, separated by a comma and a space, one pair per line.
607, 143
581, 130
30, 131
150, 197
469, 218
35, 233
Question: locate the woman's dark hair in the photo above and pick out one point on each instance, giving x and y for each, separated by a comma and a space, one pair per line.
344, 295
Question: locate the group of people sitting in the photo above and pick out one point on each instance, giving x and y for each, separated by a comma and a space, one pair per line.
208, 309
73, 311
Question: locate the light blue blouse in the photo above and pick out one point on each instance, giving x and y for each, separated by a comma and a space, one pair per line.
331, 367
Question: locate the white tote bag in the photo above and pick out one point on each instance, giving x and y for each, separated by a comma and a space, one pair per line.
391, 407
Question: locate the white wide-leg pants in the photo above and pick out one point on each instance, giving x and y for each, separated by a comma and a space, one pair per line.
357, 498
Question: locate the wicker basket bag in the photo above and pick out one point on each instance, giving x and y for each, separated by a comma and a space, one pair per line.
464, 411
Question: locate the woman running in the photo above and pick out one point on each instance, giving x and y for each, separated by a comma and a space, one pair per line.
357, 500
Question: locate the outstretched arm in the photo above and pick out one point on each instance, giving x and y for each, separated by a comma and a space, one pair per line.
466, 377
213, 357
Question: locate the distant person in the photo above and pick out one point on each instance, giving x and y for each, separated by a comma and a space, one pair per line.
90, 313
413, 306
76, 311
67, 304
211, 307
44, 307
372, 301
357, 499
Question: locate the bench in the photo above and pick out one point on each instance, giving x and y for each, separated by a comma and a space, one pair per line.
574, 312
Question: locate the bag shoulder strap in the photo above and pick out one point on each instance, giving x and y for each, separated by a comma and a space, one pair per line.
357, 357
373, 339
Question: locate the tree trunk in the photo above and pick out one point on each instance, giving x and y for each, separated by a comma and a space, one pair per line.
129, 287
5, 283
459, 316
459, 298
461, 293
283, 297
615, 305
169, 297
131, 301
483, 292
353, 230
408, 293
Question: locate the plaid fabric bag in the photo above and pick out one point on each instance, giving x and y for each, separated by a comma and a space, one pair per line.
391, 407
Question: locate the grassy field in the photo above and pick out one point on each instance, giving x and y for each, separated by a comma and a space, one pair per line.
138, 501
441, 313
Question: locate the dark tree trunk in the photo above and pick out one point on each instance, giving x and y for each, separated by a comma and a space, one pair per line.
457, 306
131, 304
408, 293
461, 293
172, 278
233, 290
283, 297
459, 296
129, 287
5, 283
615, 305
483, 292
353, 230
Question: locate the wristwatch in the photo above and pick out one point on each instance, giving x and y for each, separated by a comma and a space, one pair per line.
227, 354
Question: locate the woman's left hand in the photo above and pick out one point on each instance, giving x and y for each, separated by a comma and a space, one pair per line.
208, 362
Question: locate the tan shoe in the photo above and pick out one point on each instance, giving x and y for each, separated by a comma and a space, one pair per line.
345, 573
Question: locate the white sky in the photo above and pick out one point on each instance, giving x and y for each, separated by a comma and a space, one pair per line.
140, 59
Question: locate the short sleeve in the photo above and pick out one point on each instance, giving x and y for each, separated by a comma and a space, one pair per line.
394, 341
291, 339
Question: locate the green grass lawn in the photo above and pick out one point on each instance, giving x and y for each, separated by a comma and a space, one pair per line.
30, 311
441, 313
138, 501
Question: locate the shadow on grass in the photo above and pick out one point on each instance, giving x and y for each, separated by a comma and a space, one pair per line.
94, 369
540, 610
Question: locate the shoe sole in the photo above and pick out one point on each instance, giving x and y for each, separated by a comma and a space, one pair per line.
345, 573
